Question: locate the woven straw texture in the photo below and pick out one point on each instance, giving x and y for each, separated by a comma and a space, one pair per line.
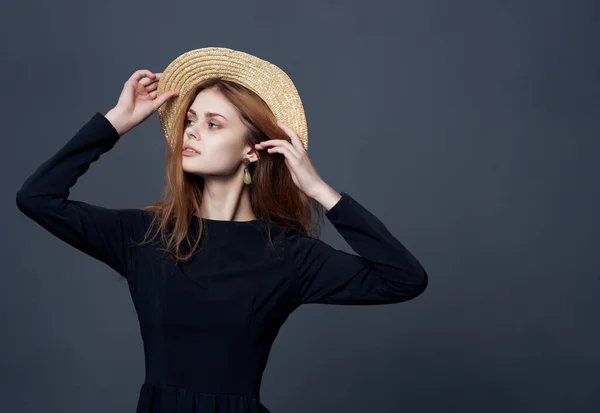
267, 80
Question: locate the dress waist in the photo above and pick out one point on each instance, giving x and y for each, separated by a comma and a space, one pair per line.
163, 398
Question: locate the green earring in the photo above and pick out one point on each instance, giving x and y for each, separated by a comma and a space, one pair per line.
247, 177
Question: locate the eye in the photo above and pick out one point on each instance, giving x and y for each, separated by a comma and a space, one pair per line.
188, 121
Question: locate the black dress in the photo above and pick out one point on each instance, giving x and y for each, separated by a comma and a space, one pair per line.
208, 325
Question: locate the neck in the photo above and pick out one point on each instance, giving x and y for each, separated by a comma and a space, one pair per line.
226, 201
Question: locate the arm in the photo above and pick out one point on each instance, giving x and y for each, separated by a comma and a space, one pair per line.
384, 272
99, 232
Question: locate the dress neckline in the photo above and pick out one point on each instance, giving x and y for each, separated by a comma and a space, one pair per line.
227, 222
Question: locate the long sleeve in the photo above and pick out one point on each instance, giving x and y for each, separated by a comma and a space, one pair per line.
100, 232
384, 272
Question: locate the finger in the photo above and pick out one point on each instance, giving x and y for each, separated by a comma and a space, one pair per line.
285, 151
163, 98
152, 86
138, 74
281, 142
147, 81
292, 134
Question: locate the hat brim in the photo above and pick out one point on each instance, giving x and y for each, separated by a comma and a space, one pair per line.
267, 80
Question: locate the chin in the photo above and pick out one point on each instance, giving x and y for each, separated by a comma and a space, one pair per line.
191, 170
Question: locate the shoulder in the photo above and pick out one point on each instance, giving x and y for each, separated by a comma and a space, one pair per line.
134, 217
135, 222
292, 238
302, 246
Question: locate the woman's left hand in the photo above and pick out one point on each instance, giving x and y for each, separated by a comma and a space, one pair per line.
303, 172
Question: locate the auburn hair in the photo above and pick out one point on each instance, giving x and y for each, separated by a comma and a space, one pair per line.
273, 194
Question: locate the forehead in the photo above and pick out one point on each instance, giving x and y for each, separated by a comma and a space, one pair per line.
210, 100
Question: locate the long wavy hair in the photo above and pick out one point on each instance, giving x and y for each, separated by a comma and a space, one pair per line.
273, 194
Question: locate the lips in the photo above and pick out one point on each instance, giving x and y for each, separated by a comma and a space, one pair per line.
189, 147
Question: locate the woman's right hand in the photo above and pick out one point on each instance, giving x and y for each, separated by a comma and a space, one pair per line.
137, 101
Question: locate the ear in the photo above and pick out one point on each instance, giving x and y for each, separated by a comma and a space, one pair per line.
252, 155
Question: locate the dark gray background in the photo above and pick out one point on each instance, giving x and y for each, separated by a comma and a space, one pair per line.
470, 128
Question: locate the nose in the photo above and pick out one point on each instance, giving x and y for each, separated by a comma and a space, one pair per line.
190, 136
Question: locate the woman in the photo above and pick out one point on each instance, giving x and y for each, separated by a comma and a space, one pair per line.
236, 253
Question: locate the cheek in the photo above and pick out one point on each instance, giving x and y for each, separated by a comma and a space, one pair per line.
214, 159
220, 152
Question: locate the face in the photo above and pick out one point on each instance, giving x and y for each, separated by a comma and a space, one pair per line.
215, 130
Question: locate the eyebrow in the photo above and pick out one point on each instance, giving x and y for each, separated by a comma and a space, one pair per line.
208, 114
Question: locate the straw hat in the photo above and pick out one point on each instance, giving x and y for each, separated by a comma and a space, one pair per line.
271, 83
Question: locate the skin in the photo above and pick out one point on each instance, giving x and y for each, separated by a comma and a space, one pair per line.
222, 148
219, 139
